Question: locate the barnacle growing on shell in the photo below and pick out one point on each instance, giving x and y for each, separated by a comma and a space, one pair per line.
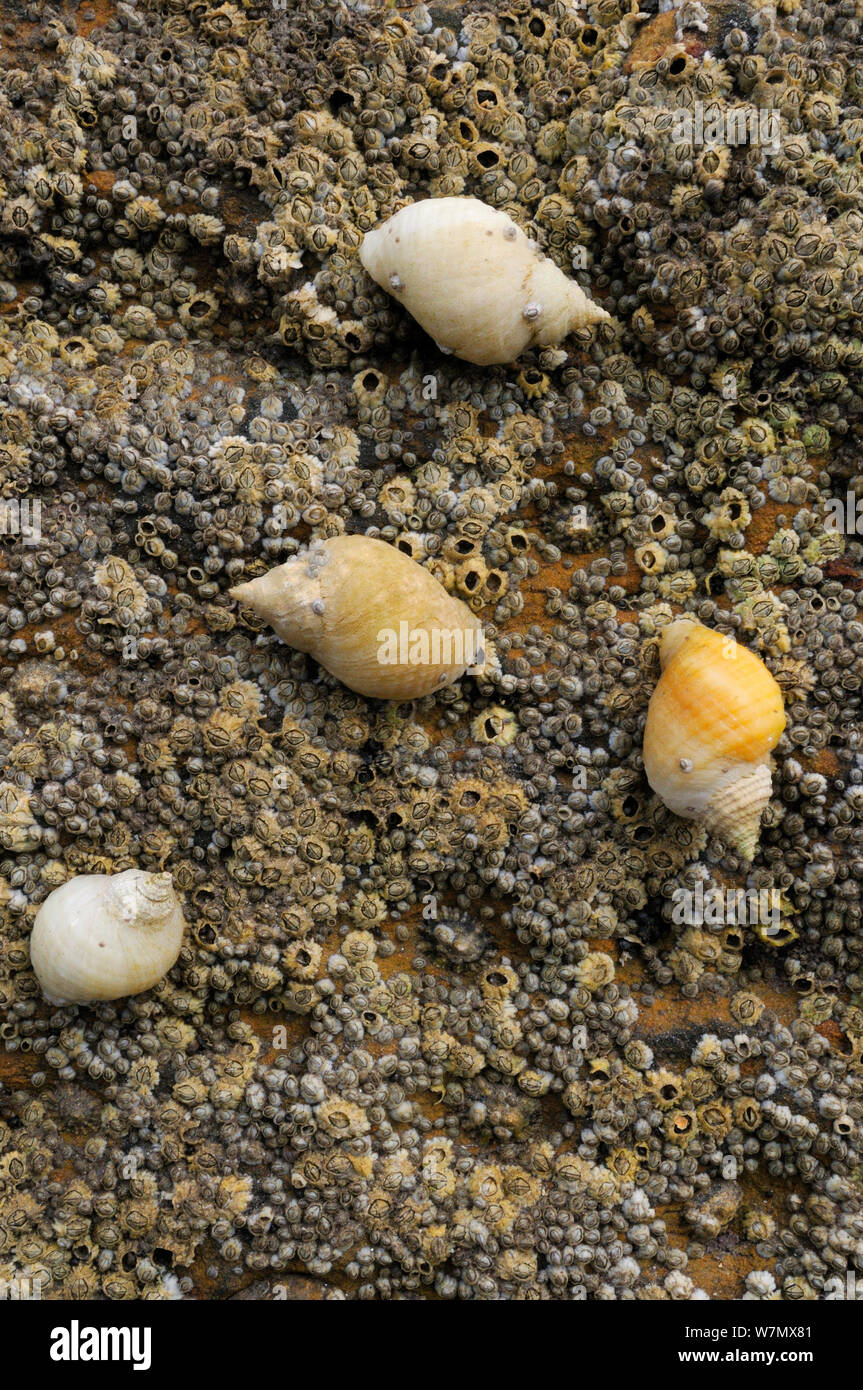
474, 281
370, 615
714, 717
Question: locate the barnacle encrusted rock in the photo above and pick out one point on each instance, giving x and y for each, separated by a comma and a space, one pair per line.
423, 1037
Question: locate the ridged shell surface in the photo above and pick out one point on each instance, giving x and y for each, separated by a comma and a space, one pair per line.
371, 615
714, 717
474, 281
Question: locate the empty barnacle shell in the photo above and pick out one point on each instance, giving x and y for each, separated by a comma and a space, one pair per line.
714, 717
474, 281
371, 616
105, 936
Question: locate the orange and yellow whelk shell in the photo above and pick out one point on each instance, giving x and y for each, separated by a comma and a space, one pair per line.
714, 717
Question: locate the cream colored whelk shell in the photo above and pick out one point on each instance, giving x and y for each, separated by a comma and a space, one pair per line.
472, 279
371, 616
105, 936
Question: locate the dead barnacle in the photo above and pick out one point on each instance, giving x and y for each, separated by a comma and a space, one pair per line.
302, 959
667, 1088
77, 352
533, 382
495, 725
369, 386
471, 578
680, 1126
199, 310
499, 983
776, 934
730, 516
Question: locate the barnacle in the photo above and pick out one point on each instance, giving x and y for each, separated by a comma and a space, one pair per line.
127, 595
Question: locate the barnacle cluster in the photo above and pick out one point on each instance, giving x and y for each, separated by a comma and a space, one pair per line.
419, 1037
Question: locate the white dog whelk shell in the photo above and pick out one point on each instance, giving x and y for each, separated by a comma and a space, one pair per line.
371, 615
472, 279
104, 936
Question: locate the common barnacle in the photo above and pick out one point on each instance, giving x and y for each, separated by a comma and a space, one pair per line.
129, 598
730, 516
495, 725
595, 970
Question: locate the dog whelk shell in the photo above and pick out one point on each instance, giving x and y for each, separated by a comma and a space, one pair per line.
370, 615
472, 279
713, 719
105, 936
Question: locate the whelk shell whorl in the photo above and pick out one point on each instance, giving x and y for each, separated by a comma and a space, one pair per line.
474, 281
713, 719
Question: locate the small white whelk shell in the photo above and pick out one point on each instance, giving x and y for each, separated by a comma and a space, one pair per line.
105, 936
472, 279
